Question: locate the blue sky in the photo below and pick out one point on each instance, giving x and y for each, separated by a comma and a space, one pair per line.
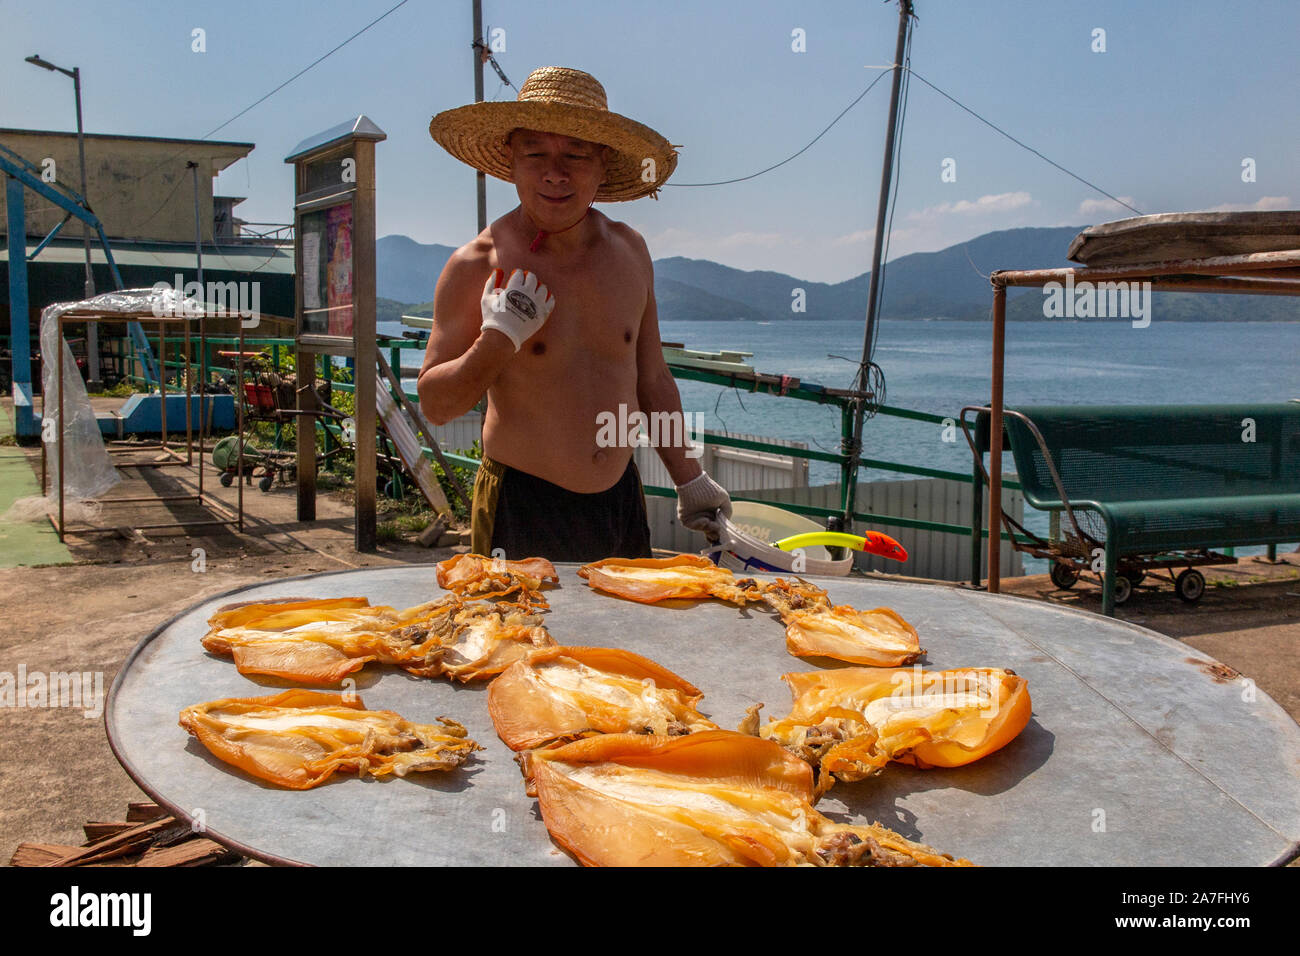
1164, 117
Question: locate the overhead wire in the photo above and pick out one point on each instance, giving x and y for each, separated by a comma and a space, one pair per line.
266, 96
1022, 145
741, 179
873, 376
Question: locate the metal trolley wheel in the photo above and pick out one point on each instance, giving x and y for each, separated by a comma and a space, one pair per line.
1123, 589
1190, 585
1063, 575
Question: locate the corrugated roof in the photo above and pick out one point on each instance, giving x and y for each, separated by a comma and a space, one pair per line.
232, 257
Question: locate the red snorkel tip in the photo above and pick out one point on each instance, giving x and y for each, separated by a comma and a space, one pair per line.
884, 546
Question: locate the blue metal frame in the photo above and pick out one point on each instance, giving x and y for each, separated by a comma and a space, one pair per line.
19, 334
20, 175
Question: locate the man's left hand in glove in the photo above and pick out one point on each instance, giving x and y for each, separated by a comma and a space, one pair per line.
702, 503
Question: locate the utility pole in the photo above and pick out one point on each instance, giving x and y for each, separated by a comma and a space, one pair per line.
198, 234
480, 51
92, 328
873, 292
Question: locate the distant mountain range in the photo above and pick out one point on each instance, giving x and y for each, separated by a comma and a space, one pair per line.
949, 284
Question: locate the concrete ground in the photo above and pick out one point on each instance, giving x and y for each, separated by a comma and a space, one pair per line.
59, 772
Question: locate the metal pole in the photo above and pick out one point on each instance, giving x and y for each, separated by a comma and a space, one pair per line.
873, 292
479, 49
365, 364
198, 234
92, 328
189, 401
59, 359
995, 440
239, 427
162, 381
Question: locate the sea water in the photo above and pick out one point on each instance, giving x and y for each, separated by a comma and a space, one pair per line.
938, 366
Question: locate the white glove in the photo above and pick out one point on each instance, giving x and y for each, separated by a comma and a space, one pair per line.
702, 503
519, 309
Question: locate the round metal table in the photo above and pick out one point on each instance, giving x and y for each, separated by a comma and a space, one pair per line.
1140, 750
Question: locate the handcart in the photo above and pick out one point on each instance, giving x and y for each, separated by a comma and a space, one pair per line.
268, 396
1136, 489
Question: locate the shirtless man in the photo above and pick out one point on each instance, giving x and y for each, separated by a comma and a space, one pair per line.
551, 311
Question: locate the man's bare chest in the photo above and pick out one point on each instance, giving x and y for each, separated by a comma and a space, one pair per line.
598, 307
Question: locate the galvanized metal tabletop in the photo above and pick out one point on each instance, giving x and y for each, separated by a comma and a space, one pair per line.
1140, 751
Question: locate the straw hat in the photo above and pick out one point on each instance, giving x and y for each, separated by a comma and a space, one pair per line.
555, 99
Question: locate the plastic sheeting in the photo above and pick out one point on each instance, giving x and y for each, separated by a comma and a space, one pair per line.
89, 471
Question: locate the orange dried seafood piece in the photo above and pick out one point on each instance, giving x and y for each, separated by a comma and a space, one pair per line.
321, 642
567, 692
649, 580
815, 628
299, 738
473, 575
488, 638
707, 799
321, 645
278, 614
852, 721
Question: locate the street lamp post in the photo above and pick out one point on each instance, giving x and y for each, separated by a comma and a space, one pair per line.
92, 328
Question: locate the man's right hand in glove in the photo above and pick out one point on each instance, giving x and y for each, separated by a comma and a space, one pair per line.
518, 309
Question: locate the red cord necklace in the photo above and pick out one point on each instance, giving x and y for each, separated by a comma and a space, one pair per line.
542, 233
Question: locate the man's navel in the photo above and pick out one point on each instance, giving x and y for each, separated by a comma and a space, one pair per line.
627, 336
599, 457
539, 348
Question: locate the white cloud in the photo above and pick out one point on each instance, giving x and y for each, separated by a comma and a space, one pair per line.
767, 239
985, 205
1263, 204
852, 238
1092, 208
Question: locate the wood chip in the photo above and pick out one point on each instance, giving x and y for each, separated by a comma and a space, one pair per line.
148, 837
139, 812
41, 854
200, 852
128, 841
96, 831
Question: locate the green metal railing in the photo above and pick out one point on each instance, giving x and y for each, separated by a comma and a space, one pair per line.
845, 402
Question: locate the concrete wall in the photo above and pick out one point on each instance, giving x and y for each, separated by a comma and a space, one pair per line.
132, 194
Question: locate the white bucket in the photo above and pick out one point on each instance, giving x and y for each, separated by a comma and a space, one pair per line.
747, 543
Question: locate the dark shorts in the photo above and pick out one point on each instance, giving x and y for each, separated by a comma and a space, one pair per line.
529, 517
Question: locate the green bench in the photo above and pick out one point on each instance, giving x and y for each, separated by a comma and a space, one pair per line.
1138, 487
